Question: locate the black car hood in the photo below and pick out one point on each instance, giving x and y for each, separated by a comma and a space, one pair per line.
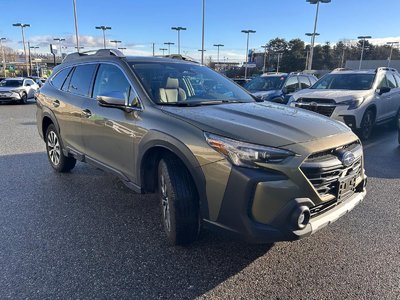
260, 123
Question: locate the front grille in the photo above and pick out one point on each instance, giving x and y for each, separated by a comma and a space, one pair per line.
326, 110
322, 106
324, 169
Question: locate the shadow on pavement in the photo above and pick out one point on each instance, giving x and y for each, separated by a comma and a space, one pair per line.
382, 153
84, 235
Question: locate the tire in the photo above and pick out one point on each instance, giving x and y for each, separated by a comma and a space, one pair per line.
367, 125
24, 98
57, 159
398, 126
179, 202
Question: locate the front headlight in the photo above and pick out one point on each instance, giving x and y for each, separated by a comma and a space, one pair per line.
244, 154
353, 103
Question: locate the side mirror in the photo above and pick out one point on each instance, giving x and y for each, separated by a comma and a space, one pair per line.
115, 100
111, 99
383, 90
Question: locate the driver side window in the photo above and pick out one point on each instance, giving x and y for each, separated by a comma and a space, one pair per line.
111, 81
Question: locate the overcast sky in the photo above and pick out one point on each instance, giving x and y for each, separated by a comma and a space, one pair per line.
139, 23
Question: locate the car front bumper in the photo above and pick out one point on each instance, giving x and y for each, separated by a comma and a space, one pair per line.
9, 96
261, 207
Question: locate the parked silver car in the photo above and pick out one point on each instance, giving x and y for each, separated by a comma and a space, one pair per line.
17, 89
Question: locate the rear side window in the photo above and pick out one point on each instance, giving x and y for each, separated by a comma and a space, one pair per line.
390, 81
81, 80
59, 79
304, 82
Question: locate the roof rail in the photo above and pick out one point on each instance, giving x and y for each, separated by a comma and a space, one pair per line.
385, 69
100, 52
341, 69
181, 57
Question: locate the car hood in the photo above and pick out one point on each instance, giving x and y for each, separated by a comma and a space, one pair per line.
266, 93
337, 95
264, 123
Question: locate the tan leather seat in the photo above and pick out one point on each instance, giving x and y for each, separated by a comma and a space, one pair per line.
172, 92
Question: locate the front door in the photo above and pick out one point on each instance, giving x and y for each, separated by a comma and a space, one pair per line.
109, 132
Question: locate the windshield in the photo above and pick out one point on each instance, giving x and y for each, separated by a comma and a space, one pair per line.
267, 83
345, 82
183, 83
11, 83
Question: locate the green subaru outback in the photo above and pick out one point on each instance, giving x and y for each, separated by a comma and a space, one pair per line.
215, 155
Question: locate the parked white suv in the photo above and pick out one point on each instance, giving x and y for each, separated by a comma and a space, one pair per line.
17, 89
360, 99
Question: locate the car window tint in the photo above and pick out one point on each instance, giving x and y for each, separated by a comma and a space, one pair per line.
397, 77
292, 84
111, 81
391, 81
304, 82
81, 80
58, 80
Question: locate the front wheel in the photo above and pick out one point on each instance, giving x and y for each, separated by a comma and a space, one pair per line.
24, 98
179, 202
57, 159
367, 125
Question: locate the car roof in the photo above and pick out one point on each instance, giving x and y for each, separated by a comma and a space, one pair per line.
274, 74
354, 72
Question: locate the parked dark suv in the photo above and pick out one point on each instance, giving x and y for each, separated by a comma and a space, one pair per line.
214, 155
278, 87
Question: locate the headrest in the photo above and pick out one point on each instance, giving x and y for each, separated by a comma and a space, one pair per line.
172, 83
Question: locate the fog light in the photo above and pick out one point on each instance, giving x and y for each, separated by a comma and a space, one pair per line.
301, 217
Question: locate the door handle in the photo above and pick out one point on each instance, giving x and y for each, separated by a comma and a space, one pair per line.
86, 113
56, 103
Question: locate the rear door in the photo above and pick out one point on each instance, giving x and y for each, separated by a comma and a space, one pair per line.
109, 132
67, 104
385, 100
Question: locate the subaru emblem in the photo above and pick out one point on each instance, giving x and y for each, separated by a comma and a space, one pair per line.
348, 158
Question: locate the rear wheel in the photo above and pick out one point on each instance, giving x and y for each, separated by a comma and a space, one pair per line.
179, 202
57, 159
367, 125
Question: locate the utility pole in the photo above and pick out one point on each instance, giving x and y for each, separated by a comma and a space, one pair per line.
202, 34
3, 55
265, 57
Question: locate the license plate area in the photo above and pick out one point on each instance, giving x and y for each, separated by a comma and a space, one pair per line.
347, 187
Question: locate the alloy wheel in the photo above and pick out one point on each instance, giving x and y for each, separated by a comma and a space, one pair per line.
165, 203
53, 148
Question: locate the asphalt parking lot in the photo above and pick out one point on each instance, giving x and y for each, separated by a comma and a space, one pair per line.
84, 235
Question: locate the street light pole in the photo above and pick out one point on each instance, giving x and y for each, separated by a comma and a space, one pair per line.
3, 55
310, 60
391, 51
279, 59
178, 29
116, 42
122, 49
60, 40
23, 41
163, 50
265, 56
312, 35
104, 28
202, 34
363, 38
247, 49
34, 49
169, 46
76, 27
218, 46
